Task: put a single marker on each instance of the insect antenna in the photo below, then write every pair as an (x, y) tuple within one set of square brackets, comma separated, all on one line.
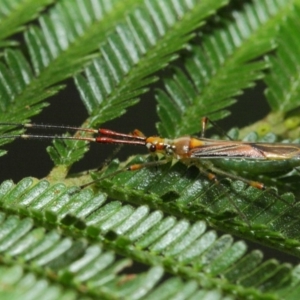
[(105, 136), (47, 126)]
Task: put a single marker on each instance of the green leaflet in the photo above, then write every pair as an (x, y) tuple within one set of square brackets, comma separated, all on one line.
[(88, 223), (58, 47), (14, 14), (217, 70), (282, 81)]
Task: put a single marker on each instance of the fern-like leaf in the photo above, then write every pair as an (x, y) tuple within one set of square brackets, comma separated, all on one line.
[(137, 48), (211, 264), (58, 48), (283, 80), (218, 70), (14, 14), (14, 78)]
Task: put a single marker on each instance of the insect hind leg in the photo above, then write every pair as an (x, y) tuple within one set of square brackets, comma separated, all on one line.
[(212, 177), (256, 184), (205, 121)]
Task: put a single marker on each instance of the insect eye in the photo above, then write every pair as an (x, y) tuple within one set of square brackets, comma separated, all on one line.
[(152, 148)]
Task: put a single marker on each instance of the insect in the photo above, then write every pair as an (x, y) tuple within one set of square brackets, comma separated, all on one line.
[(203, 152)]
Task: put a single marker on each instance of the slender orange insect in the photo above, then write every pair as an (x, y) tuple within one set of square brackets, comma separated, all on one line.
[(278, 156), (239, 155)]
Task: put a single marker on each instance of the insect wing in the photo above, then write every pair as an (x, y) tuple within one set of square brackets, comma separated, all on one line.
[(278, 151), (225, 149), (236, 149)]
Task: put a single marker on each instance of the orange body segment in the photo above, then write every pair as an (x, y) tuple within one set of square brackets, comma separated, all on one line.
[(196, 143)]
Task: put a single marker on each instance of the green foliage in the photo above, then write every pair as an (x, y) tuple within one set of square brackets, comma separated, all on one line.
[(137, 48), (60, 241), (283, 92), (216, 71), (58, 48), (74, 249), (14, 14)]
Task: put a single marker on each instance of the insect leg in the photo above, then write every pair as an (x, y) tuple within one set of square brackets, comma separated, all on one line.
[(204, 122), (213, 177), (133, 167), (255, 184)]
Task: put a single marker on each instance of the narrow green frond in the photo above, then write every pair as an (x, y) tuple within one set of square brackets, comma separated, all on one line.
[(70, 31), (137, 49), (133, 52), (2, 152), (98, 271), (19, 283), (67, 152), (219, 69), (87, 234), (15, 75), (14, 14), (283, 80), (58, 48)]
